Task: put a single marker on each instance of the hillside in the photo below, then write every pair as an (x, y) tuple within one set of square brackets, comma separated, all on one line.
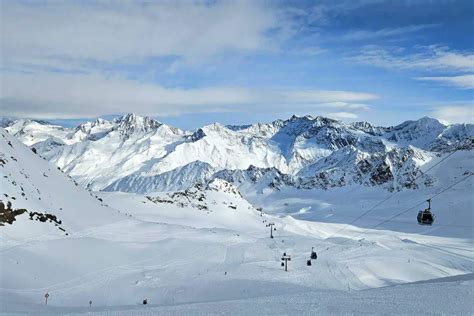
[(38, 199)]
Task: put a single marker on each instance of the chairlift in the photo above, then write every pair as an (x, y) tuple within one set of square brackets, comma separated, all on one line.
[(425, 217), (314, 256)]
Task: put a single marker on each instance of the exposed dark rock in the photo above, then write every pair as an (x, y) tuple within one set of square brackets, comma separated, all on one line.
[(7, 214)]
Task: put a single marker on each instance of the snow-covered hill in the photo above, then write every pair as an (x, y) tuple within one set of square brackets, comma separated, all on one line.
[(180, 178), (138, 154), (38, 199), (215, 204)]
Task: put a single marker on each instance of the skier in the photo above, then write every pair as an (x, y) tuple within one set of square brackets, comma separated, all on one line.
[(145, 301), (90, 303)]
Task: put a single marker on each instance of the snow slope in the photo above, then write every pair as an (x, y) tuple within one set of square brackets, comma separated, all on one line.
[(33, 184), (217, 204), (176, 179), (437, 297)]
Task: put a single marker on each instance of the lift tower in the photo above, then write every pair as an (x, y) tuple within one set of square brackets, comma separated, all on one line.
[(271, 228), (285, 258)]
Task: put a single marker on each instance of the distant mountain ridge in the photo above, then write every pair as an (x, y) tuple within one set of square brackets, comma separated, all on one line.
[(139, 154)]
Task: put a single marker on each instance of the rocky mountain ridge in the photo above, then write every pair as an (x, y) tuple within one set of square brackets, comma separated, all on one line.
[(139, 154)]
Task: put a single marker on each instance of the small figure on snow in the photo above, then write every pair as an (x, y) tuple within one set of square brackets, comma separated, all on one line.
[(145, 301), (90, 303)]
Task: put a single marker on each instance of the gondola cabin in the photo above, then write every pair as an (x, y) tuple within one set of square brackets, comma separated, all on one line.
[(425, 217)]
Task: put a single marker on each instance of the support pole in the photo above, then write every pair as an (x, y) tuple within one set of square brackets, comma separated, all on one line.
[(271, 228), (286, 258)]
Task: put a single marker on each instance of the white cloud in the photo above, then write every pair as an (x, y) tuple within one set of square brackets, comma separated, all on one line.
[(429, 58), (47, 95), (343, 115), (455, 113), (346, 105), (463, 81), (385, 32), (107, 31)]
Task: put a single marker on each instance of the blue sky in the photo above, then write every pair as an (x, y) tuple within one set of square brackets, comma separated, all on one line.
[(192, 63)]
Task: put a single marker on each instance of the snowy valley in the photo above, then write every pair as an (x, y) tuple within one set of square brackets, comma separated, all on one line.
[(116, 211)]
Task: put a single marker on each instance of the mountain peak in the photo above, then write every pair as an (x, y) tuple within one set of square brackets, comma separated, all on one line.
[(6, 122), (215, 128), (425, 123), (99, 121), (368, 128), (134, 118), (131, 123), (295, 117), (429, 120)]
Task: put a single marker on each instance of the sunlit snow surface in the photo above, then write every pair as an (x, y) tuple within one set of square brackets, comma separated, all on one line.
[(447, 296), (191, 260)]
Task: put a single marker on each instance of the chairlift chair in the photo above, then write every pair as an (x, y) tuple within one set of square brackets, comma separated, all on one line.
[(425, 217)]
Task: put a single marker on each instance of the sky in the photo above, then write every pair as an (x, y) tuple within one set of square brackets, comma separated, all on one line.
[(191, 63)]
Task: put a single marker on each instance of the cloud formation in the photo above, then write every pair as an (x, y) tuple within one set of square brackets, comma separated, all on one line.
[(105, 31), (68, 95), (359, 35), (463, 81), (455, 113), (343, 115), (430, 58)]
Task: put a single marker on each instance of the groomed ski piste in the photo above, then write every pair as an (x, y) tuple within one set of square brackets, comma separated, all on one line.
[(207, 250)]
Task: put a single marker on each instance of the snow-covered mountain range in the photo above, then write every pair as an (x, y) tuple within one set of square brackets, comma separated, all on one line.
[(207, 231), (141, 155)]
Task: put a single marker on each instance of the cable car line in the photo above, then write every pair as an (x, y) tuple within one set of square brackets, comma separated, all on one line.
[(406, 222), (389, 197), (402, 212), (439, 193)]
